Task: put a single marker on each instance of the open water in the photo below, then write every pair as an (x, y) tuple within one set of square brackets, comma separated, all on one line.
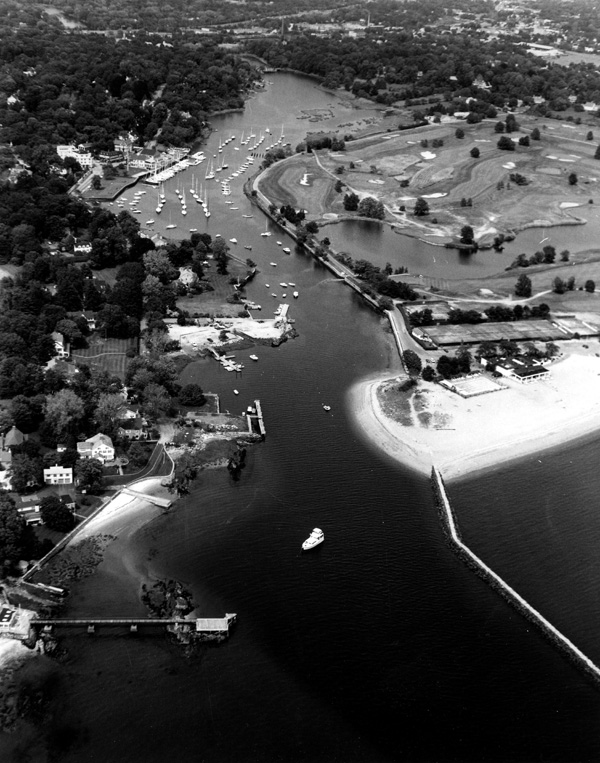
[(380, 645)]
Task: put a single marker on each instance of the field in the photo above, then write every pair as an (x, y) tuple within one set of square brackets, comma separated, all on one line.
[(519, 331), (107, 354), (446, 174)]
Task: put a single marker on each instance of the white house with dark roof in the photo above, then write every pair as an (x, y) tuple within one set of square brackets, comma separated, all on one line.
[(99, 446)]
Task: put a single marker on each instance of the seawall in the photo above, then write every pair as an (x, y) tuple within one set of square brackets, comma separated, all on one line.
[(501, 586)]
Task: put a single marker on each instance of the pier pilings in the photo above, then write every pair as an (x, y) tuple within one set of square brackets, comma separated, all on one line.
[(500, 585)]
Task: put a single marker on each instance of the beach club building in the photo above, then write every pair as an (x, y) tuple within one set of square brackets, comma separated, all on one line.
[(522, 370)]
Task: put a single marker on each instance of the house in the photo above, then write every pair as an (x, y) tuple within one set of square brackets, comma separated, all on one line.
[(29, 504), (61, 345), (58, 475), (99, 446), (12, 438), (68, 502), (134, 429)]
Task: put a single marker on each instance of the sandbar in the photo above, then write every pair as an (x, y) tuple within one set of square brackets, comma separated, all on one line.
[(465, 435)]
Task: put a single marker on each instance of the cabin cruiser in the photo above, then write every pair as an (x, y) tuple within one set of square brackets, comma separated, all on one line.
[(317, 536)]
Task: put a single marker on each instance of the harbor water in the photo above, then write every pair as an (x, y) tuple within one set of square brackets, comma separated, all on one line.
[(378, 645)]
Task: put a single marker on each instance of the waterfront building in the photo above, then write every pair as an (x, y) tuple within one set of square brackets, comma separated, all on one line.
[(99, 446)]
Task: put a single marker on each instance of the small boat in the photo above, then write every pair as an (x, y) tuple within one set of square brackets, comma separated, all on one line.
[(247, 216), (273, 295), (274, 264), (253, 357), (291, 284), (283, 284), (171, 226), (287, 250), (235, 392), (317, 536), (284, 296), (267, 285), (326, 407), (149, 222), (279, 243), (295, 295), (193, 230), (249, 248), (233, 240)]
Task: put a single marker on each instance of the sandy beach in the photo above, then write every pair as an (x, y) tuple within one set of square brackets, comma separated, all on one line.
[(467, 435)]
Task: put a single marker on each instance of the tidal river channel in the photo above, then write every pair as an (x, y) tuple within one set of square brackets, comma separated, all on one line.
[(380, 645)]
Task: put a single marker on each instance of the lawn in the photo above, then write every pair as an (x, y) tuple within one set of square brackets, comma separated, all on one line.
[(108, 354)]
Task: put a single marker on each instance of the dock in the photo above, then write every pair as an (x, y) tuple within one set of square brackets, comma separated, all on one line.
[(255, 419), (209, 626)]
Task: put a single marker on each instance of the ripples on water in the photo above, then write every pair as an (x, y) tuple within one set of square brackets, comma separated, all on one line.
[(380, 644)]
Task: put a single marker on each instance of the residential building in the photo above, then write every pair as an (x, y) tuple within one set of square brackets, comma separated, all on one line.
[(58, 475), (61, 345), (13, 437), (99, 446), (68, 502)]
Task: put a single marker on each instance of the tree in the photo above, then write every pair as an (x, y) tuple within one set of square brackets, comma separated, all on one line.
[(64, 413), (590, 135), (192, 394), (459, 133), (96, 182), (89, 473), (590, 286), (13, 535), (428, 374), (106, 412), (412, 362), (220, 252), (370, 207), (26, 472), (572, 178), (466, 235), (564, 255), (137, 454), (523, 286), (558, 285), (351, 202), (156, 400), (505, 144), (421, 208), (597, 154), (55, 515), (475, 152), (524, 140), (535, 134)]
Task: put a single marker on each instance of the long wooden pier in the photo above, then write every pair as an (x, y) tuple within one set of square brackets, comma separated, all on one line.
[(201, 625)]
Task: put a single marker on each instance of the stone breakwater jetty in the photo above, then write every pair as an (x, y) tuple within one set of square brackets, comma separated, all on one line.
[(501, 586)]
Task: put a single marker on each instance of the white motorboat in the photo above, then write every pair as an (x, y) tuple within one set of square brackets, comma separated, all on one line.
[(233, 240), (317, 536), (253, 357), (287, 250), (274, 264), (295, 295), (326, 407)]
